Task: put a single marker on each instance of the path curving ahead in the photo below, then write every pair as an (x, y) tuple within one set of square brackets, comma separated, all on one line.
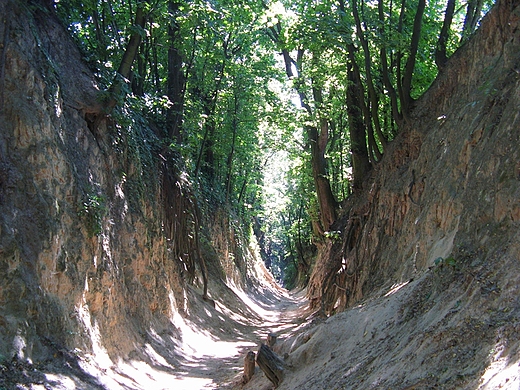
[(217, 340), (207, 347)]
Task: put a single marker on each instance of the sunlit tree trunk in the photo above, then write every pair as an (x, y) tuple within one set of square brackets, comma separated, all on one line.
[(176, 79), (125, 68)]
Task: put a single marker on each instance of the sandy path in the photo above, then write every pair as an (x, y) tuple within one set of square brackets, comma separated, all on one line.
[(204, 349), (210, 343), (277, 312)]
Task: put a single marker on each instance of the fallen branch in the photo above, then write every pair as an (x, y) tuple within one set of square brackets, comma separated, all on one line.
[(271, 364)]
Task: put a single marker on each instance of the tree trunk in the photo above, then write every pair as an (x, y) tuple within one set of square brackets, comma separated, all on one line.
[(358, 143), (229, 162), (206, 158), (372, 94), (326, 201), (319, 141), (471, 19), (399, 58), (176, 79), (385, 72), (123, 73), (410, 63), (440, 51)]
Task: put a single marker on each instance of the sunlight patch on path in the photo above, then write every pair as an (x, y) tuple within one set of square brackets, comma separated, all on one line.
[(197, 343), (193, 356), (502, 373), (270, 315)]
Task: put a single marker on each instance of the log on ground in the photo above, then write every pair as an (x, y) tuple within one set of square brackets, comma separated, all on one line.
[(271, 364)]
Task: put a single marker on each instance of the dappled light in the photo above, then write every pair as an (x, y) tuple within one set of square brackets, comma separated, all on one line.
[(502, 371), (395, 288), (197, 352), (245, 195)]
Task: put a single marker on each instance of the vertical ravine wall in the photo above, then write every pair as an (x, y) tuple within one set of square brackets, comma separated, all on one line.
[(84, 262), (448, 185)]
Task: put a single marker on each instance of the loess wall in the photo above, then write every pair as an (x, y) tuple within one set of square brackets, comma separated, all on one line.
[(84, 262), (448, 186)]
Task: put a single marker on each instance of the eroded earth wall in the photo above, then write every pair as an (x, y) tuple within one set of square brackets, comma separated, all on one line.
[(448, 188), (84, 263)]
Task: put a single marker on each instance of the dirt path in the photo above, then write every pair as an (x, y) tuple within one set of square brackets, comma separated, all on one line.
[(203, 349), (212, 341), (276, 311)]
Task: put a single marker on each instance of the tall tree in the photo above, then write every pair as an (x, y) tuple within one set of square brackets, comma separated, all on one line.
[(441, 55), (317, 134), (125, 68), (176, 76)]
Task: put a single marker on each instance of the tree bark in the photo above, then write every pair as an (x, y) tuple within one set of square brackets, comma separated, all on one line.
[(471, 19), (206, 158), (372, 94), (385, 70), (399, 58), (234, 126), (318, 142), (440, 51), (326, 201), (272, 366), (410, 63), (358, 143), (176, 79), (123, 72)]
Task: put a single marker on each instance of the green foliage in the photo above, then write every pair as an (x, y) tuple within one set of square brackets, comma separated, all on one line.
[(241, 122), (93, 209), (290, 277), (449, 261)]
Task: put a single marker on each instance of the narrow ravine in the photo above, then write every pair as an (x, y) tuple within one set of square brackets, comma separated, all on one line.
[(210, 342)]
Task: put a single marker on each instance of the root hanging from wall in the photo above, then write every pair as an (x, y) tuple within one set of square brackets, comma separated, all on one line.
[(182, 221)]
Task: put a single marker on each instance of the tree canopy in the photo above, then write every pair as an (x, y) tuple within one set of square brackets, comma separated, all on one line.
[(277, 109)]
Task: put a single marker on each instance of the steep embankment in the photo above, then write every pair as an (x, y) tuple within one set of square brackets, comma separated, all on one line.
[(81, 262), (430, 252), (448, 182), (91, 292)]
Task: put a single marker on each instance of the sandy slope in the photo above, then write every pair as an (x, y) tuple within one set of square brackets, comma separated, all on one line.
[(203, 350), (453, 327)]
